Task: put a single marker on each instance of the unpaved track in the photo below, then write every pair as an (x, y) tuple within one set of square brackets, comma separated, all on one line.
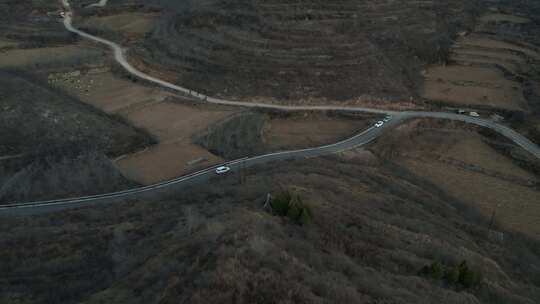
[(203, 176)]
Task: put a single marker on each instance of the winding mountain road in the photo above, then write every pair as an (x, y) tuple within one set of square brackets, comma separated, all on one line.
[(120, 57), (205, 175), (363, 138)]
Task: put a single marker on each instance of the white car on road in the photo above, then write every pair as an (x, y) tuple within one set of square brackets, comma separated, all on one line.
[(222, 170), (379, 124)]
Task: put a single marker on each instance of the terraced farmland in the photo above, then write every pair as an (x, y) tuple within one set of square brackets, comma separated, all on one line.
[(492, 66), (31, 23), (303, 50)]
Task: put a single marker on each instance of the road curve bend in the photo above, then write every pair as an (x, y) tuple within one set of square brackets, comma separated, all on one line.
[(120, 57), (363, 138)]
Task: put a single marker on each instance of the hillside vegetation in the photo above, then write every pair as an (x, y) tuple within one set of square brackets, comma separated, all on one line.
[(377, 234), (53, 145), (32, 23), (305, 49), (54, 120)]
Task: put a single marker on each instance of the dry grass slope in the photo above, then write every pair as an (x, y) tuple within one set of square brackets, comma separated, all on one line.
[(375, 226)]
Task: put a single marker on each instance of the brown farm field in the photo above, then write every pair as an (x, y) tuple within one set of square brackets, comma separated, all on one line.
[(173, 122), (463, 86), (165, 161), (49, 57), (127, 24), (467, 166), (513, 205), (310, 130), (170, 120), (486, 66)]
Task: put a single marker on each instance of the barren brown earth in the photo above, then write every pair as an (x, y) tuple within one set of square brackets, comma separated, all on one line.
[(172, 121), (494, 65), (304, 130), (471, 168)]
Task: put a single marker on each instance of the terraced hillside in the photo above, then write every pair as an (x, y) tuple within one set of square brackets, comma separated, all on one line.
[(31, 23), (336, 50), (495, 65)]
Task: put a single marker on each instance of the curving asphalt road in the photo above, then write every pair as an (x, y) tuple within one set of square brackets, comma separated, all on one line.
[(205, 175), (185, 181)]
